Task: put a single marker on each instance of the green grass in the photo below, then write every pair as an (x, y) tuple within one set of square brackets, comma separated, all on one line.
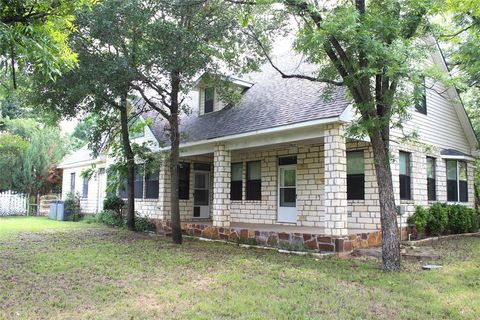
[(85, 271), (14, 225)]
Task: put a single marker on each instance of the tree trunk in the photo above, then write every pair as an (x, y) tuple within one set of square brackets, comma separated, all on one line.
[(130, 159), (174, 155), (388, 216)]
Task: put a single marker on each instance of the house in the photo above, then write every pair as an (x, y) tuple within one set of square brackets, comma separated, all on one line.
[(278, 168)]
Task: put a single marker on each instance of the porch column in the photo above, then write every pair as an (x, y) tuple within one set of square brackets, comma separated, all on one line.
[(336, 221), (221, 186)]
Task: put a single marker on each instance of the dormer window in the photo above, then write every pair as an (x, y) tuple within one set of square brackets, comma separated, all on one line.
[(209, 97)]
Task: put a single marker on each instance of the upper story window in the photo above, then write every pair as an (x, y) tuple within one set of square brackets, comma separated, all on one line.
[(405, 172), (421, 97), (457, 185), (355, 175), (209, 98)]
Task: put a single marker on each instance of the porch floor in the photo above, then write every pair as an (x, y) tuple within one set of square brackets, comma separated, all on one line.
[(276, 227)]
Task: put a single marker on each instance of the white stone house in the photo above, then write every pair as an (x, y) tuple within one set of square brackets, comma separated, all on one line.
[(280, 160)]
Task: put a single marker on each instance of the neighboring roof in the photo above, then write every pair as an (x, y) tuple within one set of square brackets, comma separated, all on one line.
[(271, 102), (81, 155)]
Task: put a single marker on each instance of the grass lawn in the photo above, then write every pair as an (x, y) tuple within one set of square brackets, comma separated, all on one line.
[(51, 270)]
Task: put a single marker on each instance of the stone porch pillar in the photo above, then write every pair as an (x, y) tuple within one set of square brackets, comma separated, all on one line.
[(221, 186), (336, 218)]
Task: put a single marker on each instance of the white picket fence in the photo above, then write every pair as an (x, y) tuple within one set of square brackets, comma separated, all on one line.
[(12, 204)]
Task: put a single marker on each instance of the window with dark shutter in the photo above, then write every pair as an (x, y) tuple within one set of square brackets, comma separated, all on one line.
[(355, 175), (405, 184), (431, 176), (184, 181), (209, 98), (151, 185), (139, 173), (236, 181), (85, 188), (254, 180), (421, 97)]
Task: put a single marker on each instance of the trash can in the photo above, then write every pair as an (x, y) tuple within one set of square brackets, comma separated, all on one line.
[(52, 214), (61, 211)]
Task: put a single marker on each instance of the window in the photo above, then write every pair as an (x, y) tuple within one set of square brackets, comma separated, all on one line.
[(431, 174), (209, 98), (72, 182), (136, 128), (254, 180), (457, 186), (236, 181), (122, 189), (138, 182), (152, 184), (85, 188), (405, 188), (184, 181), (421, 97), (355, 175)]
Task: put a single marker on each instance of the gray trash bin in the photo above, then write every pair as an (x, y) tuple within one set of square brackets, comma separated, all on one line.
[(61, 211), (52, 214)]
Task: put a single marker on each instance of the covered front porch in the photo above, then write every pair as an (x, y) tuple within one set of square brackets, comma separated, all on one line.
[(293, 183)]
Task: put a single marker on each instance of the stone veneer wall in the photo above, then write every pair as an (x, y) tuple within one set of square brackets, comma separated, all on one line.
[(365, 214), (310, 186), (282, 240)]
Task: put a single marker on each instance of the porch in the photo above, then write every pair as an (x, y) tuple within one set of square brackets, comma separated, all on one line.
[(297, 186)]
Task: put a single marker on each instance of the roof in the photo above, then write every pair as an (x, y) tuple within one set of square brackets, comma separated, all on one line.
[(271, 102), (81, 155), (453, 152)]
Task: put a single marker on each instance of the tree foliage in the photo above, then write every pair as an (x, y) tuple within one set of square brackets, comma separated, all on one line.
[(29, 154)]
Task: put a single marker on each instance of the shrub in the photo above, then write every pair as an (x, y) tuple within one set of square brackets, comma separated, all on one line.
[(420, 218), (72, 206), (475, 221), (143, 224), (113, 203), (437, 222), (110, 218), (460, 218)]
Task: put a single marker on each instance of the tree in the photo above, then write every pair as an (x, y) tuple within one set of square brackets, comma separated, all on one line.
[(101, 83), (33, 36), (29, 155), (372, 49), (183, 40)]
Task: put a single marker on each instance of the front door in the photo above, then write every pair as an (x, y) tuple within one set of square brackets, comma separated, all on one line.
[(287, 193), (201, 195)]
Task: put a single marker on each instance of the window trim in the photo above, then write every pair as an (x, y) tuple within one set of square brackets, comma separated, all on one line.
[(458, 194), (248, 195), (434, 179), (408, 167)]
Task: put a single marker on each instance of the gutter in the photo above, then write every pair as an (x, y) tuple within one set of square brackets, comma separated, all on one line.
[(279, 129)]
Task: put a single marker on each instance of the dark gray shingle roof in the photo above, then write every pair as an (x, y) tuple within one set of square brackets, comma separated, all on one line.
[(271, 102)]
